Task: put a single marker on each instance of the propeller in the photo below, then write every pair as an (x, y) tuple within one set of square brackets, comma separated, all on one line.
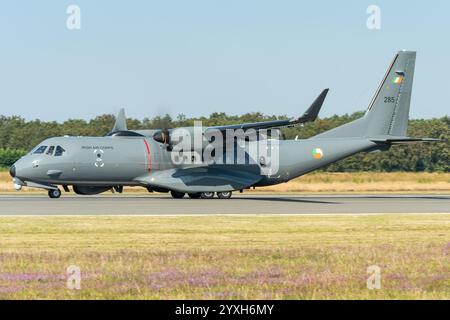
[(162, 136), (163, 121)]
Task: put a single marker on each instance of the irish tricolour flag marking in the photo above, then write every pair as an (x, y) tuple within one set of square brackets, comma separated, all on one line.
[(397, 80), (317, 153)]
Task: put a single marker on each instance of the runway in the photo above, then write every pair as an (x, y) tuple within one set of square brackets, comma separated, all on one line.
[(239, 204)]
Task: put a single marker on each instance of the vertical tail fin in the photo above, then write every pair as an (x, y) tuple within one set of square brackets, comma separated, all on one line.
[(121, 121), (388, 112)]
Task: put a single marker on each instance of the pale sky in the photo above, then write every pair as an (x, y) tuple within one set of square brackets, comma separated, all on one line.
[(196, 57)]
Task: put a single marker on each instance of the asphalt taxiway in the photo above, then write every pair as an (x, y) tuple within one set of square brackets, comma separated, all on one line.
[(239, 204)]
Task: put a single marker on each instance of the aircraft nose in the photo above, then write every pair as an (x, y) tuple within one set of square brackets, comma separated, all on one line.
[(12, 171)]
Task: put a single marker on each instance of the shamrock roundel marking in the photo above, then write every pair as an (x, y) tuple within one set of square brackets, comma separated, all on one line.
[(317, 153)]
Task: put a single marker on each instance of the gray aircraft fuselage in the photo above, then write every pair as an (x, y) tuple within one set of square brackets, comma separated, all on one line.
[(110, 161)]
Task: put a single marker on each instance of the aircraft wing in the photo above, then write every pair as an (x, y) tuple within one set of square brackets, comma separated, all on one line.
[(309, 116), (213, 178)]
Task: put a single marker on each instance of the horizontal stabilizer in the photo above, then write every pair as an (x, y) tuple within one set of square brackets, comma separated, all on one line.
[(403, 140)]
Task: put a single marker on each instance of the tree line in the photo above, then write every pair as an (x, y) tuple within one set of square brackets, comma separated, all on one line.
[(18, 136)]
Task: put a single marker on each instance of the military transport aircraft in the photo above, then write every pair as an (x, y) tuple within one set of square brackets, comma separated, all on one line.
[(92, 165)]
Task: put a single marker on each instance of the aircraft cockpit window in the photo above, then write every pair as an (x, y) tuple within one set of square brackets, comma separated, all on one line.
[(50, 150), (59, 151), (40, 150)]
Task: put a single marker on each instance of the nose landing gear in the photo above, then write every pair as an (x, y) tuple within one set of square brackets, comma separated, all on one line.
[(54, 193)]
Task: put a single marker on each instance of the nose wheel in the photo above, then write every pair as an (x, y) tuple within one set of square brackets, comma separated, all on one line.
[(54, 193)]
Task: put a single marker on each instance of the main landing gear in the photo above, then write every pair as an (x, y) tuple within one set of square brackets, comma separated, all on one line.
[(202, 195), (224, 195), (54, 193), (196, 195), (207, 195), (177, 195)]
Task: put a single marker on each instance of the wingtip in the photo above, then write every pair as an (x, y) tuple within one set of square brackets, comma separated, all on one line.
[(325, 92), (311, 114)]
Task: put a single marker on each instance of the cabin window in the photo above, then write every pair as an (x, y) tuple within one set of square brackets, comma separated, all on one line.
[(59, 151), (50, 150), (40, 150)]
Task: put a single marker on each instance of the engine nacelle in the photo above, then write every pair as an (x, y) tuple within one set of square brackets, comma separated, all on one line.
[(183, 138), (162, 136)]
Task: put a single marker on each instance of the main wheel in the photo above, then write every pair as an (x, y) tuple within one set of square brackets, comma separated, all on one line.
[(177, 195), (194, 195), (224, 195), (207, 195), (54, 193)]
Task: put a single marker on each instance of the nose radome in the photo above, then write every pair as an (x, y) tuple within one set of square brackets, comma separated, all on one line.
[(12, 171)]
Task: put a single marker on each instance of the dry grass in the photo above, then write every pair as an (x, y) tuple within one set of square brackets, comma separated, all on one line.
[(329, 182), (366, 182), (226, 257)]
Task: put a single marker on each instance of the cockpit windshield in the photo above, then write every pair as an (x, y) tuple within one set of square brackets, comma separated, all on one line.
[(59, 151), (50, 150), (40, 150), (55, 151)]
